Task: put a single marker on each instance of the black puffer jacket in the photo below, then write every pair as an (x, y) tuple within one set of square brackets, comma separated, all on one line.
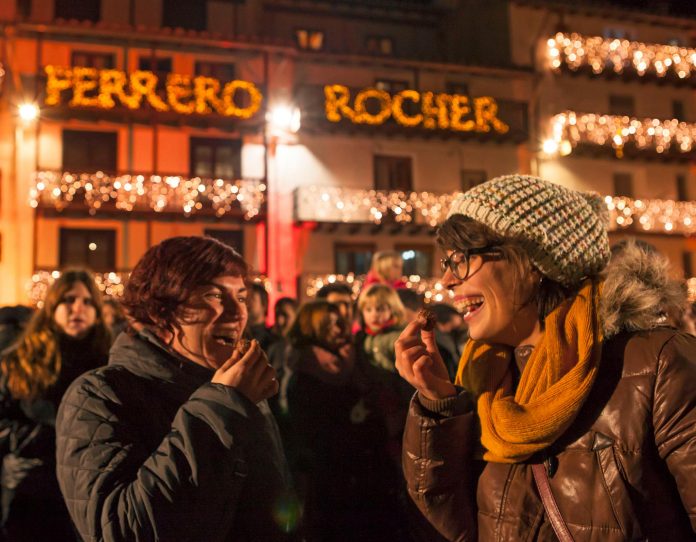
[(149, 449)]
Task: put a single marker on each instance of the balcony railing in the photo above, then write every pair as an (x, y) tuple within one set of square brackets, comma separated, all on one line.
[(135, 192)]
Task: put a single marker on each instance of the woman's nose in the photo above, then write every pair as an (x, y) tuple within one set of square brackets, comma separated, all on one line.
[(449, 281)]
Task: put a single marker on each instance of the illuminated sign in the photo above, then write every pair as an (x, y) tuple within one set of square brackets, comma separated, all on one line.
[(429, 110), (104, 89)]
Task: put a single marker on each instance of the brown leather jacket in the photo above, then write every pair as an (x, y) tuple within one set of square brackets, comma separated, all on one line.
[(625, 470)]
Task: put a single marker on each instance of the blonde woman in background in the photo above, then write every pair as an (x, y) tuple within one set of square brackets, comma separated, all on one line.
[(387, 267)]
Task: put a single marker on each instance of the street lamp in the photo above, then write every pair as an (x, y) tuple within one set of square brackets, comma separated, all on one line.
[(284, 118), (28, 112)]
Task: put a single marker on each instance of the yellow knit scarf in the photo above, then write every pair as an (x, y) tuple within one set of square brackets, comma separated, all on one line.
[(553, 386)]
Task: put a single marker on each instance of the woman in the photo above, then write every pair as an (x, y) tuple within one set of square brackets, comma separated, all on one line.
[(337, 437), (65, 338), (173, 440), (387, 267), (570, 387)]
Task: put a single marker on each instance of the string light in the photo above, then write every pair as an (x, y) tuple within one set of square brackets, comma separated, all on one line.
[(431, 288), (143, 192), (110, 284), (616, 131), (655, 215), (600, 54), (353, 205)]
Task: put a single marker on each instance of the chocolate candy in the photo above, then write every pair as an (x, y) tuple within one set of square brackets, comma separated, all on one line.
[(428, 317)]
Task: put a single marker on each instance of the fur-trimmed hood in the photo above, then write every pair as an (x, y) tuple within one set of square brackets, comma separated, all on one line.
[(639, 293)]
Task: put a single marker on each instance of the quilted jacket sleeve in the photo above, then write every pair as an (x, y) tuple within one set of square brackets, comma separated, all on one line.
[(674, 416), (186, 489), (438, 466)]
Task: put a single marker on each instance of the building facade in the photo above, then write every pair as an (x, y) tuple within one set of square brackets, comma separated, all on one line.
[(308, 134)]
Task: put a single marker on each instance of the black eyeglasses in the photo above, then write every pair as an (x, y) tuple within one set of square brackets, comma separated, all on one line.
[(459, 262)]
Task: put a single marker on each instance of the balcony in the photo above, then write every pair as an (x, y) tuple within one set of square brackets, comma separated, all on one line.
[(137, 193)]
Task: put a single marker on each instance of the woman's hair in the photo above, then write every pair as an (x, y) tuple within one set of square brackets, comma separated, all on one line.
[(169, 272), (460, 232), (382, 262), (383, 294), (35, 364), (312, 322)]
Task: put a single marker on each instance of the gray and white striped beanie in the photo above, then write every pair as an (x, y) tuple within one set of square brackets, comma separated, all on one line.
[(563, 231)]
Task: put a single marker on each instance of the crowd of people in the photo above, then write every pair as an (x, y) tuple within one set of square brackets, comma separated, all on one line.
[(551, 400)]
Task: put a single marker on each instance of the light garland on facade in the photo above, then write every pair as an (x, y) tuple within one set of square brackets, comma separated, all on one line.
[(144, 192), (329, 204), (111, 284), (432, 289), (617, 55), (616, 131), (186, 95), (354, 205)]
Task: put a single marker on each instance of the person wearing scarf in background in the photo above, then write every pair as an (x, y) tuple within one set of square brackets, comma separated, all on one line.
[(573, 412)]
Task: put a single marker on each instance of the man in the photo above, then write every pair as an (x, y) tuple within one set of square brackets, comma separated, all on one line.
[(340, 294)]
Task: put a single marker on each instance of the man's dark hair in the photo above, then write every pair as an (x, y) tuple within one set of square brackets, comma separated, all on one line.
[(258, 288), (282, 302), (334, 288), (411, 299)]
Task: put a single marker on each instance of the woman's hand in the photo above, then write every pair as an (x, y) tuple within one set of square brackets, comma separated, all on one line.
[(249, 373), (419, 362)]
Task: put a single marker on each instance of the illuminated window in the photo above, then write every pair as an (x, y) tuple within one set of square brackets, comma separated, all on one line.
[(418, 259), (89, 151), (393, 173), (353, 257), (379, 45), (309, 40), (94, 249), (89, 59), (216, 158)]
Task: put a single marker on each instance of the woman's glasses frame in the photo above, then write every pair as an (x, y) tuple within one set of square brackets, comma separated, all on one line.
[(459, 258)]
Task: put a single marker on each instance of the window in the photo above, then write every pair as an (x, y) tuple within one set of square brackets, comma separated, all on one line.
[(353, 257), (682, 188), (87, 151), (82, 10), (232, 238), (391, 86), (393, 173), (623, 105), (216, 158), (158, 65), (418, 259), (623, 184), (94, 249), (379, 45), (457, 88), (188, 14), (678, 110), (309, 40), (89, 59), (687, 264), (472, 177), (221, 71)]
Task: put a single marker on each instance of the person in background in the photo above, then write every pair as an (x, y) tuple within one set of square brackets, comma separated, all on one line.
[(341, 295), (387, 267), (13, 320), (285, 309), (114, 317), (412, 302), (383, 318), (66, 337), (450, 334), (573, 416), (689, 319), (336, 440), (258, 309), (173, 439)]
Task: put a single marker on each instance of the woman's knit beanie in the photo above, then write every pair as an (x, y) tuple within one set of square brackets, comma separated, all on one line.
[(563, 231)]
